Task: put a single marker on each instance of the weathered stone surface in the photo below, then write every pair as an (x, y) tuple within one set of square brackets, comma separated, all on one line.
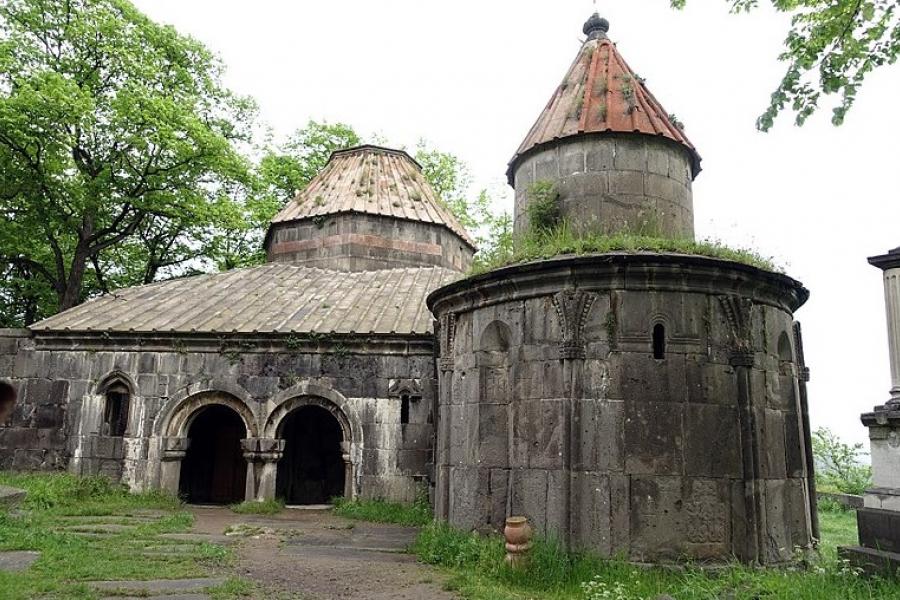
[(10, 496), (615, 449), (12, 561)]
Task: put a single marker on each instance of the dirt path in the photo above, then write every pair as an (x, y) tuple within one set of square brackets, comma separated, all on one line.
[(313, 555)]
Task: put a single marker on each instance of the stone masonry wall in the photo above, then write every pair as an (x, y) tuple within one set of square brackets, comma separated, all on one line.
[(553, 406), (61, 381), (613, 183), (358, 242)]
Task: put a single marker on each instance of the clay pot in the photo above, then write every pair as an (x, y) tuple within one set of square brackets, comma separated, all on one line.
[(518, 541)]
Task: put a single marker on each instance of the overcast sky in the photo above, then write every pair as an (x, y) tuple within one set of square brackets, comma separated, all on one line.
[(472, 76)]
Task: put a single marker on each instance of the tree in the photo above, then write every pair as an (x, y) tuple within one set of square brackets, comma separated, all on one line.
[(838, 465), (830, 49), (289, 167), (450, 178), (117, 138)]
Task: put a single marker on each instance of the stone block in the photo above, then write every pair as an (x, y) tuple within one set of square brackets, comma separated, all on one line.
[(772, 443), (571, 159), (628, 183), (631, 154), (653, 438), (711, 441), (591, 519), (879, 529), (493, 436), (529, 497), (538, 427), (599, 432)]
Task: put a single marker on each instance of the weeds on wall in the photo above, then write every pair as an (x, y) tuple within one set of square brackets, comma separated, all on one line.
[(563, 240), (543, 206)]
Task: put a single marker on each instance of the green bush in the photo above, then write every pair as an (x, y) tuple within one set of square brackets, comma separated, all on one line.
[(838, 465), (543, 206)]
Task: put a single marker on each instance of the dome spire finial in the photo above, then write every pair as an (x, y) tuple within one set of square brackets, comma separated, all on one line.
[(596, 27)]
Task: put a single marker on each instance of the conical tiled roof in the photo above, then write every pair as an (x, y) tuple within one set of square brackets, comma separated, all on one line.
[(600, 93), (372, 180)]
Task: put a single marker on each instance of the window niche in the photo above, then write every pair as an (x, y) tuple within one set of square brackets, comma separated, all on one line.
[(659, 341), (115, 409)]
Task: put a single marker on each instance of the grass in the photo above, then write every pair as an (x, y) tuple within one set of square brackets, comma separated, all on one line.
[(68, 560), (266, 507), (563, 240), (477, 571), (416, 514)]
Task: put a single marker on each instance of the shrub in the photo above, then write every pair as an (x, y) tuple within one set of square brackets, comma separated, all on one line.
[(838, 466), (543, 206), (252, 507)]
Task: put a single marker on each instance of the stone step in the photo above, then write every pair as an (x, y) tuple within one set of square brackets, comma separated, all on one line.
[(163, 597), (157, 587), (17, 560), (98, 528), (209, 538)]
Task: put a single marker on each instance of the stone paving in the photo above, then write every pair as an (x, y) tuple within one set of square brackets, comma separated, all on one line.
[(311, 555)]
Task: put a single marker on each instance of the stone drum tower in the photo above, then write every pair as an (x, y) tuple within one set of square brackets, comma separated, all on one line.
[(645, 404)]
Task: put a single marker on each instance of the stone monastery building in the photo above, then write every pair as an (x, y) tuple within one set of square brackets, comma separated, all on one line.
[(646, 404)]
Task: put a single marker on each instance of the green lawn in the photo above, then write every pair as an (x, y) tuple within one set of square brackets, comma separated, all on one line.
[(69, 559)]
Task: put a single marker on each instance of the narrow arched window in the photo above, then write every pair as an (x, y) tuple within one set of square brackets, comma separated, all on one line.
[(115, 413), (659, 341), (404, 409)]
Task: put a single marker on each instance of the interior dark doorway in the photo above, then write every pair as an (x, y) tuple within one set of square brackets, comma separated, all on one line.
[(214, 470), (311, 471)]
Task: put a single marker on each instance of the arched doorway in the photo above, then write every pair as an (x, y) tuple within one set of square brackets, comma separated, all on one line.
[(214, 470), (312, 469)]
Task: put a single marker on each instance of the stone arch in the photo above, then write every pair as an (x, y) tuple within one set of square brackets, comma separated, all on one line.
[(306, 395), (496, 337), (311, 394), (785, 350), (175, 420), (112, 378)]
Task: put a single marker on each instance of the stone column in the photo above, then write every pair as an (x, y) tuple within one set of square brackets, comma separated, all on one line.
[(348, 470), (173, 452), (879, 520), (890, 264), (262, 456)]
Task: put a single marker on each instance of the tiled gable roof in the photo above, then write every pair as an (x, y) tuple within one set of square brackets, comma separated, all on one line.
[(276, 297)]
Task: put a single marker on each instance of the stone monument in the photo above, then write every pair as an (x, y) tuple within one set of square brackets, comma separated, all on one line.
[(879, 519)]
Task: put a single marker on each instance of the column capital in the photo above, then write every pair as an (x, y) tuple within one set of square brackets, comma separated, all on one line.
[(888, 261)]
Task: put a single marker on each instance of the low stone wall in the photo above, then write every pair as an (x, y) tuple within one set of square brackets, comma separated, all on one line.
[(847, 500)]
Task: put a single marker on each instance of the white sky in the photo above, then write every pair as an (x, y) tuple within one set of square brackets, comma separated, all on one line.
[(472, 76)]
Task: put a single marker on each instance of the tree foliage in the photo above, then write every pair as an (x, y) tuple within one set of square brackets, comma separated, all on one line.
[(830, 49), (838, 466), (117, 139)]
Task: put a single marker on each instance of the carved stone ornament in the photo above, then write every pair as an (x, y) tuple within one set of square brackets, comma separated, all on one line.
[(738, 312), (572, 308), (404, 387), (448, 339)]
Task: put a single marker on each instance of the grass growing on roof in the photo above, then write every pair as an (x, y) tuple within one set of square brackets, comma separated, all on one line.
[(562, 240)]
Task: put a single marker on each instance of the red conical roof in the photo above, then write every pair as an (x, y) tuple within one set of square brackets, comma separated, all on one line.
[(600, 94)]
